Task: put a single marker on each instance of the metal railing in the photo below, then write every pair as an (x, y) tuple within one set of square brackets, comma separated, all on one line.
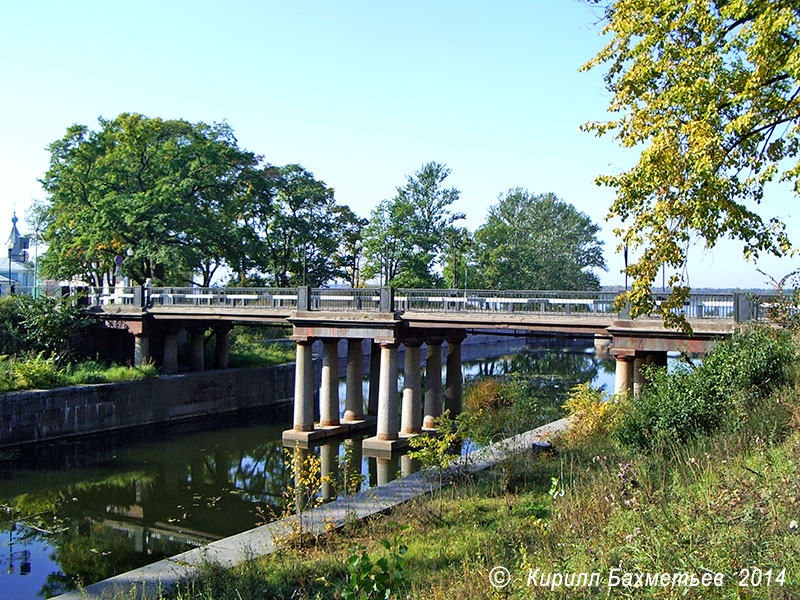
[(507, 301), (224, 297), (363, 299), (736, 306)]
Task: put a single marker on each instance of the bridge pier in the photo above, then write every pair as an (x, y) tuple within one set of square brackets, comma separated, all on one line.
[(197, 343), (141, 349), (623, 380), (354, 399), (374, 378), (412, 390), (221, 352), (303, 387), (454, 383), (433, 383), (329, 387), (170, 364)]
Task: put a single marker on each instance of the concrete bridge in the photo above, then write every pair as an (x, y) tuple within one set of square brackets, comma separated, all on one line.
[(389, 318)]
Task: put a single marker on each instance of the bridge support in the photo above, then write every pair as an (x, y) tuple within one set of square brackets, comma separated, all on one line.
[(433, 383), (412, 391), (329, 387), (221, 353), (638, 377), (303, 388), (354, 400), (387, 394), (141, 349), (623, 380), (170, 364), (374, 378), (197, 342), (454, 383)]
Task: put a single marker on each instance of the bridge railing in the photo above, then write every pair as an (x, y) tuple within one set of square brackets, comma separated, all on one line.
[(513, 301), (224, 297), (333, 299), (738, 306)]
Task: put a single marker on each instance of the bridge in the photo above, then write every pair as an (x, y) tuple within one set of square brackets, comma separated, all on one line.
[(390, 318)]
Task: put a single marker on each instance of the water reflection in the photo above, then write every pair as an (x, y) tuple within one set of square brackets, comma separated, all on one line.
[(87, 509)]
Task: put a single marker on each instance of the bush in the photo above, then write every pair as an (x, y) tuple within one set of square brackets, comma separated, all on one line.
[(35, 371), (735, 378), (592, 415)]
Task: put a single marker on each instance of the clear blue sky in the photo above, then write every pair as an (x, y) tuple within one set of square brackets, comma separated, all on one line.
[(360, 93)]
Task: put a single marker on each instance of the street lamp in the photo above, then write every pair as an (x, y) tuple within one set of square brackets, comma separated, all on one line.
[(10, 250)]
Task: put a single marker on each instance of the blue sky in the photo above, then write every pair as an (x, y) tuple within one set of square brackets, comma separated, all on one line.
[(360, 93)]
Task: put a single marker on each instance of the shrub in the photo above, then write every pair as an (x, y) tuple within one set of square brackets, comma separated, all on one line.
[(592, 415), (35, 371), (735, 378)]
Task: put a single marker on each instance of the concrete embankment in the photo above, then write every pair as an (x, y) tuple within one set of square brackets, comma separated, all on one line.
[(148, 582), (41, 415)]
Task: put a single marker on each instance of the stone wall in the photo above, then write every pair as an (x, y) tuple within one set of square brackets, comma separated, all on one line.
[(34, 416)]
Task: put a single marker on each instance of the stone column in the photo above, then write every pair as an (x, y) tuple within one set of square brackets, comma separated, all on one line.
[(387, 394), (374, 378), (638, 379), (623, 374), (197, 337), (433, 384), (454, 384), (329, 464), (354, 400), (141, 350), (221, 353), (171, 352), (329, 386), (303, 387), (412, 391)]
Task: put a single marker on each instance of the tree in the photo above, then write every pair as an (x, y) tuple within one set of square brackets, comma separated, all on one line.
[(537, 242), (161, 189), (300, 231), (710, 91), (404, 241)]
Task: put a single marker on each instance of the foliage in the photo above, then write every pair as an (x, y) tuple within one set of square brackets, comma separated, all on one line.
[(248, 347), (591, 415), (39, 371), (734, 379), (159, 188), (370, 579), (39, 325), (709, 91), (405, 238), (185, 200), (537, 242), (35, 371)]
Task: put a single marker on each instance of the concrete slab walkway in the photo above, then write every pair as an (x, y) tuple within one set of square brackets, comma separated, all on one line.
[(147, 582)]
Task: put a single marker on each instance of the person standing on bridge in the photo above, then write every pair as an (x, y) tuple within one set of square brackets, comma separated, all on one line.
[(148, 292)]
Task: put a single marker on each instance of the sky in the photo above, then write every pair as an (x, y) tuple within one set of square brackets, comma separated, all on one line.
[(361, 93)]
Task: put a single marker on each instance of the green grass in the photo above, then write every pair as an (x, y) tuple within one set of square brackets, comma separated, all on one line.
[(35, 371), (247, 348)]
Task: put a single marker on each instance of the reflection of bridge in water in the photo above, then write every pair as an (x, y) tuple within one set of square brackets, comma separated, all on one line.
[(390, 318)]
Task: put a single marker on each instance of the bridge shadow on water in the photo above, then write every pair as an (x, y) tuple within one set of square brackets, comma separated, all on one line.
[(89, 508)]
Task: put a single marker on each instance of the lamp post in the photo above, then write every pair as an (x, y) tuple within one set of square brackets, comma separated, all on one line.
[(10, 250)]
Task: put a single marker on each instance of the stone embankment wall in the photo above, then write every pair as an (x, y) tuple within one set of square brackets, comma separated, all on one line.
[(39, 415)]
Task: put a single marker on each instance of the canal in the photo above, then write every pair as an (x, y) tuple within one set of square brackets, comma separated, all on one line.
[(82, 510)]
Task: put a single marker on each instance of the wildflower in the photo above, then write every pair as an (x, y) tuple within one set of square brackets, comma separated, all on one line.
[(793, 524)]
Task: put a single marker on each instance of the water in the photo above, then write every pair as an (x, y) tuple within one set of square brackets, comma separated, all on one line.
[(87, 509)]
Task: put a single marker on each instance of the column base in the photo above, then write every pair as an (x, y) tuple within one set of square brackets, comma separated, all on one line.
[(291, 437), (378, 448)]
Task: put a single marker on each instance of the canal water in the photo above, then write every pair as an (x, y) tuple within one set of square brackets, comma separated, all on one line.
[(82, 510)]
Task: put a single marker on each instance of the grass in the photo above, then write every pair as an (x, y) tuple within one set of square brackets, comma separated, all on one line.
[(247, 348), (35, 371)]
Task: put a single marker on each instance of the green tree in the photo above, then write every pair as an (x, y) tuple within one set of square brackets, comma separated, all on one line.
[(538, 242), (710, 92), (404, 241), (161, 189)]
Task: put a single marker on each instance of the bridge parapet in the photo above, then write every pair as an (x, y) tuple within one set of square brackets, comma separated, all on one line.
[(735, 306)]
